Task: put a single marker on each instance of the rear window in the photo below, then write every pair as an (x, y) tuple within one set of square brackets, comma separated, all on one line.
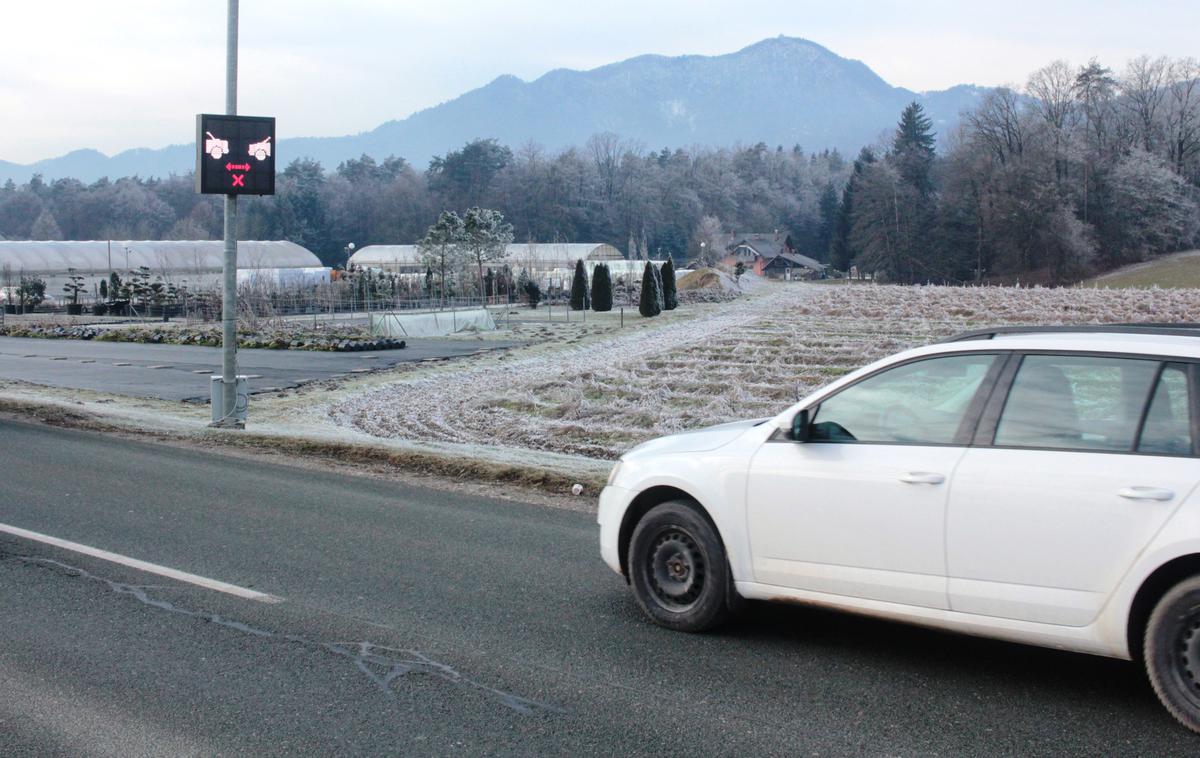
[(1076, 402)]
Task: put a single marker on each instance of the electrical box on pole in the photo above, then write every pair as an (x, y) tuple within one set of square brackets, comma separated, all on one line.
[(235, 155)]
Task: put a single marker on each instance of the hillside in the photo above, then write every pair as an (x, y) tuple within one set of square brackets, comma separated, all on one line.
[(781, 91), (1181, 270)]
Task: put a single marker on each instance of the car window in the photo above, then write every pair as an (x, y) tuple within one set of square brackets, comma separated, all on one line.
[(1168, 427), (923, 402), (1076, 402)]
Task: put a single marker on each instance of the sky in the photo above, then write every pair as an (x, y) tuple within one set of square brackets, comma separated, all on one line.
[(120, 74)]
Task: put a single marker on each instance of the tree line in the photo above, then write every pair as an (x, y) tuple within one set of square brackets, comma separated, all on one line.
[(1080, 169)]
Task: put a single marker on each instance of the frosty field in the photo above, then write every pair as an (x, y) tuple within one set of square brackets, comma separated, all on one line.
[(597, 395)]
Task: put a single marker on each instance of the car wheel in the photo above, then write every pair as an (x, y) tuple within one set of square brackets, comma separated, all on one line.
[(1172, 652), (678, 569)]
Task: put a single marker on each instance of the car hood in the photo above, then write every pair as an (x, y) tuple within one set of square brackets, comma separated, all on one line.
[(695, 440)]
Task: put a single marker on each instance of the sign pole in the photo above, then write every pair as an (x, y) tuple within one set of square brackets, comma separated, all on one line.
[(229, 278)]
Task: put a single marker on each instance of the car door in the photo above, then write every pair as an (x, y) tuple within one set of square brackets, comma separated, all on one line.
[(1082, 461), (858, 508)]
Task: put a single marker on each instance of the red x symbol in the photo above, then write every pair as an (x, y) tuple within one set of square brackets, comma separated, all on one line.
[(238, 180)]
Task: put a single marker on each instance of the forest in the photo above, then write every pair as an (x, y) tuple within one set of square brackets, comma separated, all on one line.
[(1081, 169)]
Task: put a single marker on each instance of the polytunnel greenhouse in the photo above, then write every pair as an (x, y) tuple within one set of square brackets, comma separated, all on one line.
[(198, 263)]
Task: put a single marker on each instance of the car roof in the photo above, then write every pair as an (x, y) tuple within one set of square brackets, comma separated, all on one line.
[(1177, 342)]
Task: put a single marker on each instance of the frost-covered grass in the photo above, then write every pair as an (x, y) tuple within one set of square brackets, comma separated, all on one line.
[(750, 358)]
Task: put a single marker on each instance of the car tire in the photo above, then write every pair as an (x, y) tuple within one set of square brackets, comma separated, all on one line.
[(678, 569), (1172, 652)]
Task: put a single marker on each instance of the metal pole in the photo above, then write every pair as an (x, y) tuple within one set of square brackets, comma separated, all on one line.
[(229, 280)]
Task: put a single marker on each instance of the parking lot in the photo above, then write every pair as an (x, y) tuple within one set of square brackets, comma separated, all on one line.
[(182, 372)]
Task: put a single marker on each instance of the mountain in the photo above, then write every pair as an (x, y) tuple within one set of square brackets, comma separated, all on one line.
[(781, 91)]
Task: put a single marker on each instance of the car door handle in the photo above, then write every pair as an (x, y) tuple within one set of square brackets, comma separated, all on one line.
[(1146, 493), (923, 477)]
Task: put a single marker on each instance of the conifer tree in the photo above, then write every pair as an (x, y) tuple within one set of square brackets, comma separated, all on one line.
[(602, 288), (670, 293), (842, 251), (650, 300), (912, 148), (580, 301)]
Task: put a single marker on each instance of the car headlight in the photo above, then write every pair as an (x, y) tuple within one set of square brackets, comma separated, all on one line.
[(616, 471)]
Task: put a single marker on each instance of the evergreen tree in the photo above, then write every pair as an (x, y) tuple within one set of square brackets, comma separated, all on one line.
[(602, 289), (45, 227), (650, 300), (533, 293), (580, 301), (658, 286), (670, 293), (915, 221), (842, 250), (827, 206), (912, 148)]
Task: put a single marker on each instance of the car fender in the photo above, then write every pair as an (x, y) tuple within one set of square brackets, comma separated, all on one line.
[(1179, 537), (716, 480)]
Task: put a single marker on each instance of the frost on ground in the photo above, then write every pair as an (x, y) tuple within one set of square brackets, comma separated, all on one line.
[(745, 359)]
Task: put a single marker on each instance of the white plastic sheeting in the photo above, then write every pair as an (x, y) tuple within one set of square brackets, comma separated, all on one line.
[(282, 277), (430, 323), (533, 256), (174, 257)]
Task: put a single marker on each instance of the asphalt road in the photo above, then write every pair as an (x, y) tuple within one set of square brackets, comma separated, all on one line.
[(417, 621), (182, 372)]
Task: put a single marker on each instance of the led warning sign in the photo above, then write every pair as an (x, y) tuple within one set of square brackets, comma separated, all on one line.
[(235, 155)]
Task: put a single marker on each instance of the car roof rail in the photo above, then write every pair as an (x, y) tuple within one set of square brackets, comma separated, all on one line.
[(1173, 330)]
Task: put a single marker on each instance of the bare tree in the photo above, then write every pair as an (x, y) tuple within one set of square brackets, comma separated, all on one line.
[(1145, 85), (999, 124), (708, 238), (605, 149), (1183, 114), (1052, 88)]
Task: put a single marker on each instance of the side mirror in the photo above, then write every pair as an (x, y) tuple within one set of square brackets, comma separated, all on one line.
[(801, 423)]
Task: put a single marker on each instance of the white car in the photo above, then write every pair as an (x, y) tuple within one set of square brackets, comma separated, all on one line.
[(1029, 484)]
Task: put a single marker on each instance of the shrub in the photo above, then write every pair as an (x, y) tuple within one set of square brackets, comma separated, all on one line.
[(650, 301), (533, 293), (602, 288), (670, 293), (580, 300), (31, 291)]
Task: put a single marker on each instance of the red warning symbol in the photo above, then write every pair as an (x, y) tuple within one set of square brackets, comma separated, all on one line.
[(239, 180)]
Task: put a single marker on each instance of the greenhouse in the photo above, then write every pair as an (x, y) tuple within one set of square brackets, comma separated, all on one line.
[(544, 259), (198, 263)]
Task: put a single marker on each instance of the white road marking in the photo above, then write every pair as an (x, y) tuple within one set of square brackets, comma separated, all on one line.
[(151, 568)]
